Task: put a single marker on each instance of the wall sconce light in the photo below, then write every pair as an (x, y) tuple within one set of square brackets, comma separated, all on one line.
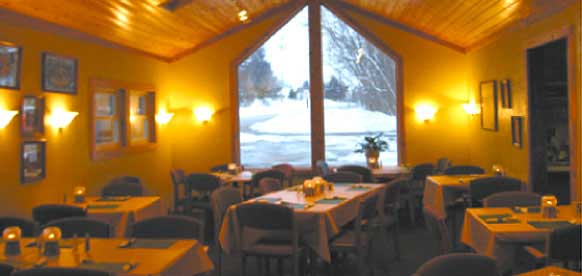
[(60, 118), (471, 108), (203, 114), (6, 116), (163, 117), (425, 112)]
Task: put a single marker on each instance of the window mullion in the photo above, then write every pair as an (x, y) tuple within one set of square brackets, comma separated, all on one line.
[(316, 83)]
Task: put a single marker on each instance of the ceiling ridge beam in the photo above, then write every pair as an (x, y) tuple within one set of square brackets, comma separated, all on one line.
[(400, 26)]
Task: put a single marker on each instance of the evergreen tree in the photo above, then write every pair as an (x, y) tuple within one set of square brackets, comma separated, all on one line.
[(256, 79)]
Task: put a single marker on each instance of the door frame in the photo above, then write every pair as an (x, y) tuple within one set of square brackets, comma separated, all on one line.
[(568, 33)]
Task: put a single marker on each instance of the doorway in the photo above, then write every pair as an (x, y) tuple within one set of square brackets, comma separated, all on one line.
[(551, 147)]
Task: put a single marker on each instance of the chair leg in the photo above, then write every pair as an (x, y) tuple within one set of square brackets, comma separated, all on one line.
[(244, 265), (219, 261), (412, 210), (395, 238)]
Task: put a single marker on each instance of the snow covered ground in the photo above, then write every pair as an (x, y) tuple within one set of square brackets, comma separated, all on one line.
[(276, 131)]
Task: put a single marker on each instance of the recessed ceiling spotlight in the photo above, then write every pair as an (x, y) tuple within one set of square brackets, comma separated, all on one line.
[(243, 15)]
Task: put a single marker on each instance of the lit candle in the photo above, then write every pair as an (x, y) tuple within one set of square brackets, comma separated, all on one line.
[(51, 237), (79, 194), (232, 168), (11, 237), (549, 203)]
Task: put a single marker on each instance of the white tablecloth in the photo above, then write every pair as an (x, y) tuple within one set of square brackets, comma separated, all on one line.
[(441, 190)]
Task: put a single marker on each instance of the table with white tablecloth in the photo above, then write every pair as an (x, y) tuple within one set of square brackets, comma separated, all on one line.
[(441, 190), (317, 224)]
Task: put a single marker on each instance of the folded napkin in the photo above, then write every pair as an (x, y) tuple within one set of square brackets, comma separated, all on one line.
[(268, 199), (148, 244), (331, 200), (549, 224), (359, 187), (299, 206), (526, 210), (497, 216), (113, 198), (108, 266), (102, 206), (504, 220)]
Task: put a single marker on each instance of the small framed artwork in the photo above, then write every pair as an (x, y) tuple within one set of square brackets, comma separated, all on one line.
[(32, 116), (516, 131), (59, 73), (505, 88), (32, 161), (10, 57), (488, 98)]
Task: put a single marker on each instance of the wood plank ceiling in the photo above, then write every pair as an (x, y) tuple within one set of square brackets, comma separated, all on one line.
[(145, 26)]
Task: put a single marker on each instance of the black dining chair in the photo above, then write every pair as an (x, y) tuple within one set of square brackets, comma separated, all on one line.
[(254, 190), (464, 169), (270, 217), (344, 177), (322, 168), (45, 213), (219, 168), (512, 199), (221, 199), (178, 186), (563, 245), (459, 264), (442, 164), (199, 186), (81, 226), (412, 192), (440, 232), (269, 185), (29, 228), (59, 271), (6, 269), (391, 208), (363, 171), (288, 170), (481, 188), (123, 186), (169, 227)]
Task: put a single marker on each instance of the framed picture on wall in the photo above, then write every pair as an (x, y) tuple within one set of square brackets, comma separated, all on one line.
[(32, 161), (488, 99), (505, 88), (32, 116), (59, 73), (516, 131), (10, 57)]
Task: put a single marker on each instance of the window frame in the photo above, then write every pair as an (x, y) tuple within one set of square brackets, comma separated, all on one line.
[(316, 89)]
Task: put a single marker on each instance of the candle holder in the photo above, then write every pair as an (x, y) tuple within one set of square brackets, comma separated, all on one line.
[(498, 170), (11, 237), (372, 162), (549, 204), (79, 193), (51, 237), (232, 168)]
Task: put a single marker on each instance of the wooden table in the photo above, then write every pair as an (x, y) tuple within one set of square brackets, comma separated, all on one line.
[(551, 271), (317, 224), (122, 213), (441, 190), (500, 240), (182, 257)]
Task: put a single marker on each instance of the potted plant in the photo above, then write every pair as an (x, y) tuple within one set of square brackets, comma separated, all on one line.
[(372, 147)]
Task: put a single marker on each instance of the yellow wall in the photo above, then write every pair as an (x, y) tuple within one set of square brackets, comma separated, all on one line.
[(504, 58), (68, 161)]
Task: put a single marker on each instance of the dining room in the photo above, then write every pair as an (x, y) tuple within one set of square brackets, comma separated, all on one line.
[(290, 137)]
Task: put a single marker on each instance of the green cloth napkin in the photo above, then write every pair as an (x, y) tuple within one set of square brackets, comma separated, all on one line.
[(529, 210), (102, 206), (268, 199), (359, 188), (497, 216), (294, 205), (106, 266), (506, 220), (550, 224), (334, 200), (151, 244), (113, 198)]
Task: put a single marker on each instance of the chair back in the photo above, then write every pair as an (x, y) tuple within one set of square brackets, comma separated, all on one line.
[(287, 170), (220, 200), (265, 216), (392, 193), (442, 164), (565, 244), (6, 270), (81, 226), (169, 227), (363, 171), (219, 168), (53, 271), (512, 199), (464, 169), (344, 177), (123, 186), (29, 228), (45, 213), (269, 185), (439, 230), (421, 171), (202, 182), (322, 168), (481, 188), (459, 264), (177, 176), (256, 179)]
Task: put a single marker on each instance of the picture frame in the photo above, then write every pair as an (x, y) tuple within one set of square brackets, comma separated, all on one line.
[(516, 131), (32, 116), (32, 161), (488, 99), (505, 91), (59, 73), (10, 60)]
